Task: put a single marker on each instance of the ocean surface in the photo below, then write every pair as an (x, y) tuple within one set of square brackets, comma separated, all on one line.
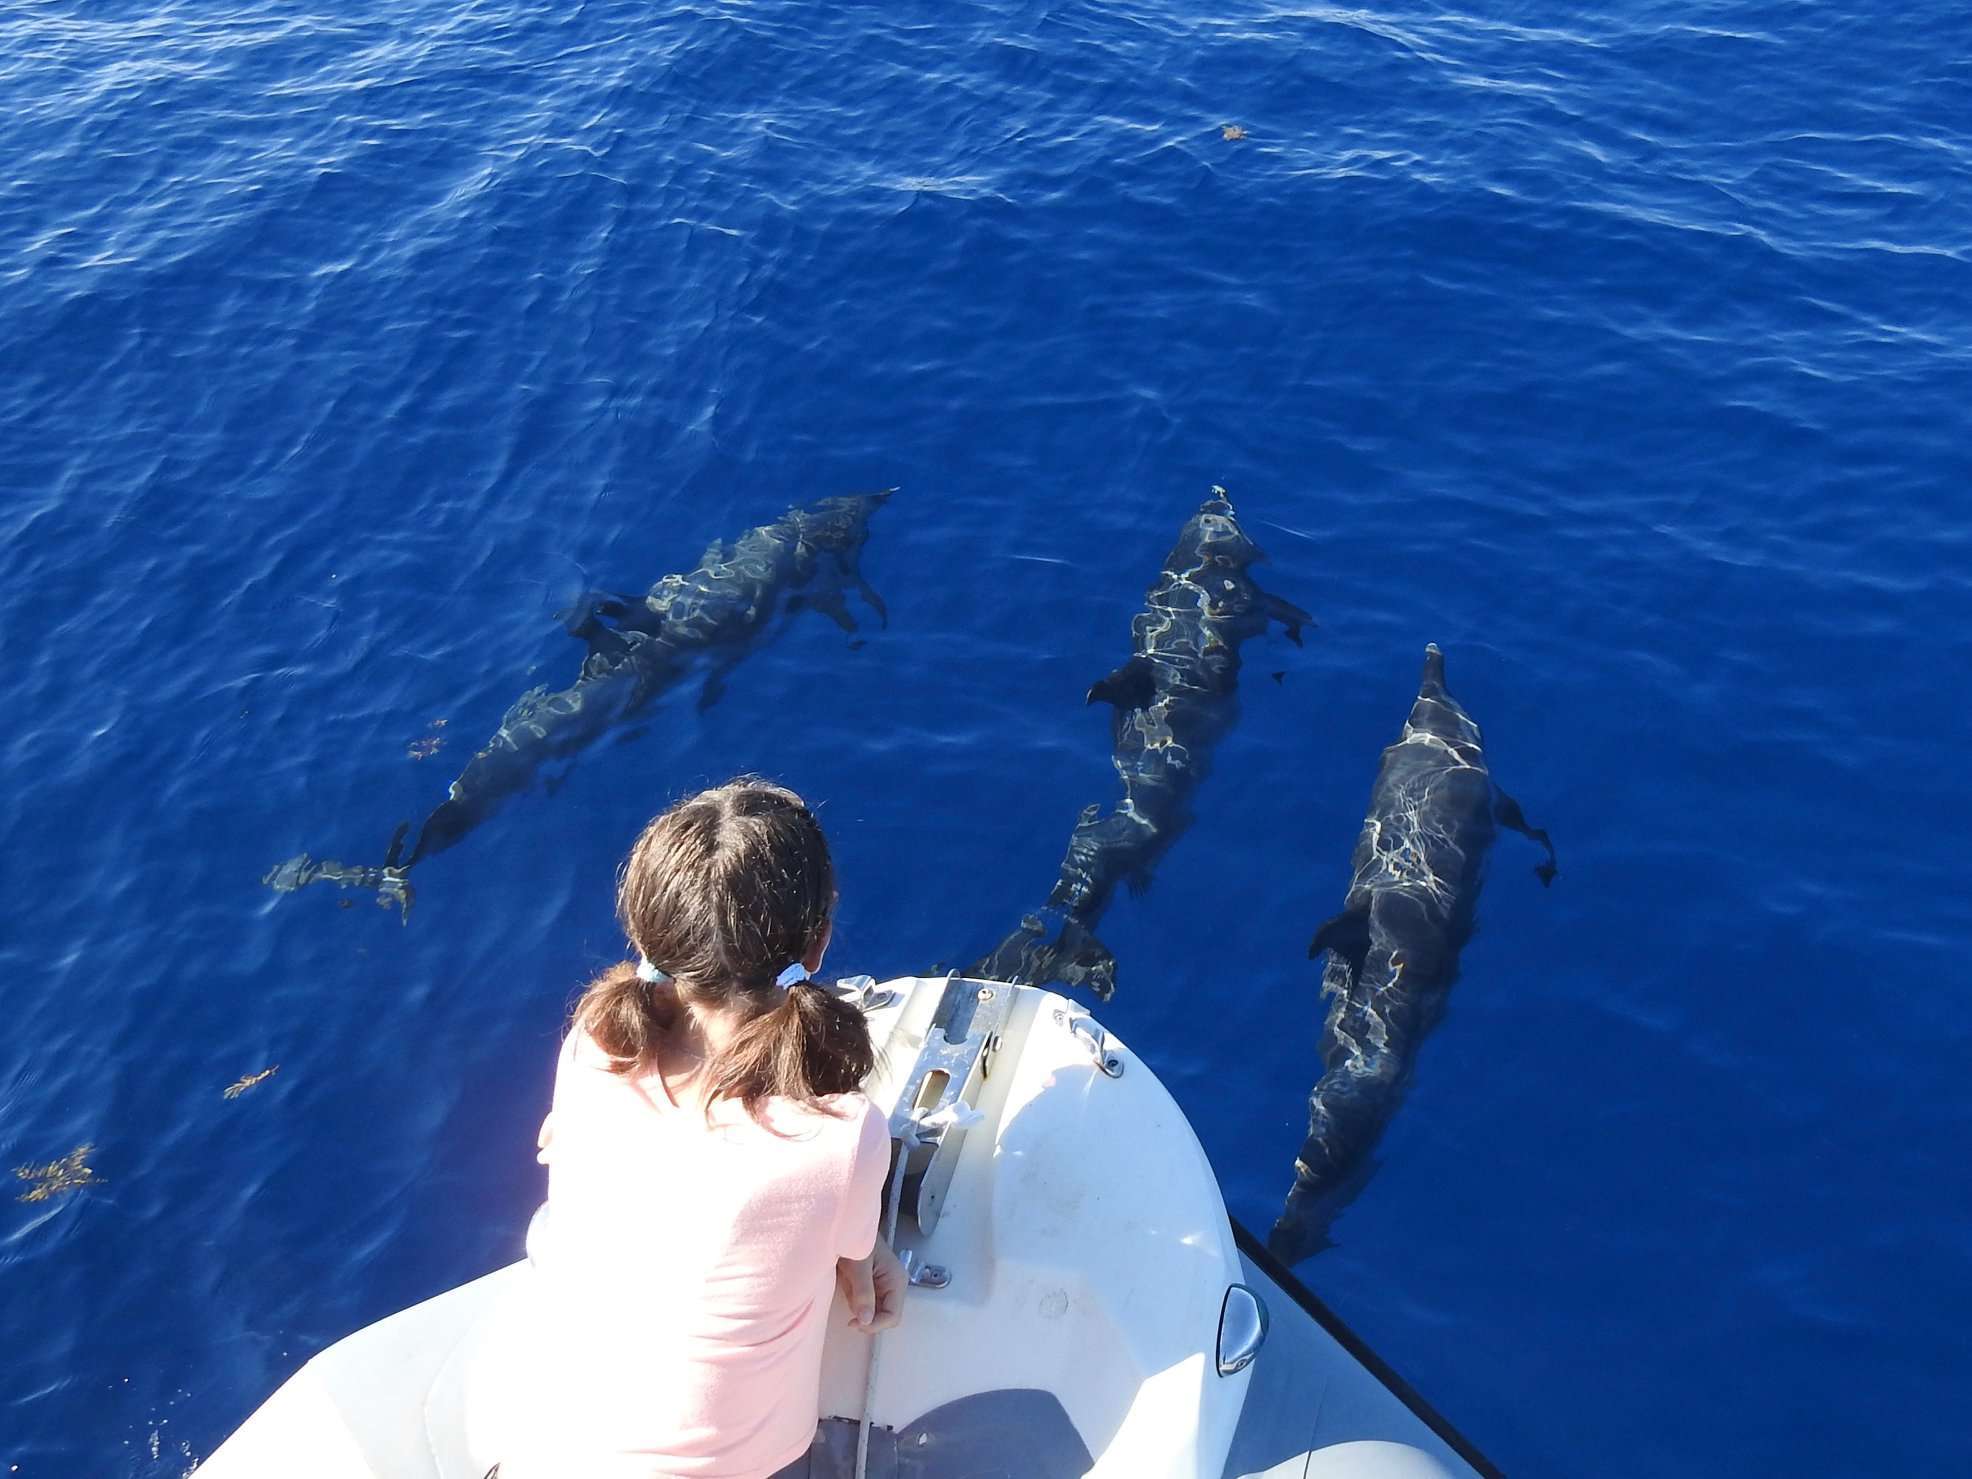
[(1624, 351)]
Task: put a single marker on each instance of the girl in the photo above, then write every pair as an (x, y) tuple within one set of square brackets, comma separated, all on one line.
[(714, 1171)]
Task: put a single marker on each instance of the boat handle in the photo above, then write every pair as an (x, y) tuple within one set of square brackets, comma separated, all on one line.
[(1242, 1329), (1089, 1033)]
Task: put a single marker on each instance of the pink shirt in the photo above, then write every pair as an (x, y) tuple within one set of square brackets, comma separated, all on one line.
[(686, 1276)]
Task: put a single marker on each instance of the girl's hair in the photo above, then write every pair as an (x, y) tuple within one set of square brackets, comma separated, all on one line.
[(722, 893)]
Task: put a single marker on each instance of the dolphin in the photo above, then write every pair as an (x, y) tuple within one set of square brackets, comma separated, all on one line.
[(1393, 950), (1171, 702), (638, 648)]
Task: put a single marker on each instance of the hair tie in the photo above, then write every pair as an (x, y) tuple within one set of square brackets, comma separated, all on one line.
[(648, 972), (794, 975)]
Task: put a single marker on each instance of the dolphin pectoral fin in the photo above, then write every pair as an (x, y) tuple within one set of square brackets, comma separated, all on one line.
[(1083, 960), (1131, 686), (395, 888), (715, 686), (606, 644), (1347, 934), (875, 602), (831, 604), (396, 845), (1507, 812), (583, 622), (590, 605), (1290, 616)]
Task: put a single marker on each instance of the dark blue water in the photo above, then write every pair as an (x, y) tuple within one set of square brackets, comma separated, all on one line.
[(1624, 353)]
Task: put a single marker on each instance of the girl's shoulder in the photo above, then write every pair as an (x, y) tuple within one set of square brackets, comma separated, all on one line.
[(845, 1122)]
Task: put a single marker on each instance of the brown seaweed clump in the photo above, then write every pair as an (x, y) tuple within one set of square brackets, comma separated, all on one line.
[(240, 1085), (65, 1175)]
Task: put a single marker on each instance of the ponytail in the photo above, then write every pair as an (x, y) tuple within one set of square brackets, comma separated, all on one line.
[(812, 1045), (809, 1047), (626, 1016)]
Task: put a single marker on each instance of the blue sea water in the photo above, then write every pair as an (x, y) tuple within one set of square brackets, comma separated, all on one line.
[(1624, 351)]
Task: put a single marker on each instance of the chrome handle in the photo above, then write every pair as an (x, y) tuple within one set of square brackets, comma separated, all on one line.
[(1089, 1033), (1243, 1326)]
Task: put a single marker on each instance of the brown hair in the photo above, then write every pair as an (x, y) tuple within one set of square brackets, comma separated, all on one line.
[(721, 893)]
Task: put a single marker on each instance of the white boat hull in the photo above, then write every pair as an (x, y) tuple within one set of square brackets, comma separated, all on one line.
[(1079, 1257)]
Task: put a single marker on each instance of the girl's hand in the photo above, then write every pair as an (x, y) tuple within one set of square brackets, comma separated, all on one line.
[(873, 1288)]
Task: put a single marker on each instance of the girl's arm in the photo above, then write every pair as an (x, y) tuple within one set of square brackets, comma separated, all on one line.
[(871, 1278), (873, 1288)]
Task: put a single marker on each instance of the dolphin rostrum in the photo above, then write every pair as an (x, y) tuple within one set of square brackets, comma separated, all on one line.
[(1393, 950), (1172, 700), (716, 611)]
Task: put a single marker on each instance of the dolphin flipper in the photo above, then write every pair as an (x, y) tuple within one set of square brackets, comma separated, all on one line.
[(607, 646), (1290, 616), (590, 605), (715, 685), (1507, 812), (1347, 934), (1131, 686), (848, 566), (831, 604), (869, 595)]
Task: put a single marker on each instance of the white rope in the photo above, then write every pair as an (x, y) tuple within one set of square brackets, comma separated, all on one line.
[(956, 1115), (889, 1235)]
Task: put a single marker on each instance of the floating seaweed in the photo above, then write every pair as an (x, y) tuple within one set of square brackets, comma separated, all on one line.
[(428, 744), (1232, 133), (240, 1085), (64, 1175)]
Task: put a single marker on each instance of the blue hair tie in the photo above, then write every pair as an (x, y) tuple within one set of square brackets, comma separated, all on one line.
[(648, 972), (794, 975)]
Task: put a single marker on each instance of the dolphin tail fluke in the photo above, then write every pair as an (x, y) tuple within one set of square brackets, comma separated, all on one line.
[(1507, 812), (1291, 617)]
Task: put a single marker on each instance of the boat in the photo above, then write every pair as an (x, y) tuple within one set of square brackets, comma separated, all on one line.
[(1080, 1302)]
